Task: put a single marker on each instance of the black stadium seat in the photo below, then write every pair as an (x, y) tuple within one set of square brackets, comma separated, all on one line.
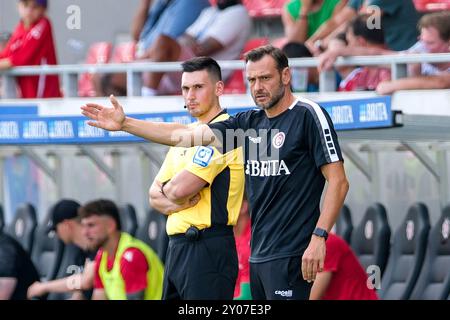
[(434, 279), (344, 224), (23, 226), (153, 232), (47, 250), (2, 219), (128, 219), (407, 254), (370, 239), (72, 261)]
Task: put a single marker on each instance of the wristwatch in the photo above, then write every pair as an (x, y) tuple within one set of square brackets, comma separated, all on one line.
[(321, 233)]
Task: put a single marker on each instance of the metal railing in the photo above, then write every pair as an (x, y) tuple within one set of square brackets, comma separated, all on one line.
[(69, 73)]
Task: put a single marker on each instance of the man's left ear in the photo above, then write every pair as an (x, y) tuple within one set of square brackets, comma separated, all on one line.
[(286, 76), (220, 86)]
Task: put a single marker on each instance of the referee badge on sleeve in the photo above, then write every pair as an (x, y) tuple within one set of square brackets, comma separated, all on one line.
[(203, 156)]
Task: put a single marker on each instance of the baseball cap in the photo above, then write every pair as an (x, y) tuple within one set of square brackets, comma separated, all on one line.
[(63, 210)]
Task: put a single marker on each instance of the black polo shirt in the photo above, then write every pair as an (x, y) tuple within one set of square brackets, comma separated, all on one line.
[(16, 263), (283, 156)]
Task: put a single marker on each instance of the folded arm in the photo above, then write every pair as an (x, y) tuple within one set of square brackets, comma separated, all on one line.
[(161, 203)]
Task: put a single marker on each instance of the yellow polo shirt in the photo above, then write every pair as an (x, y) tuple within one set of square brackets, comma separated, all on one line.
[(221, 199)]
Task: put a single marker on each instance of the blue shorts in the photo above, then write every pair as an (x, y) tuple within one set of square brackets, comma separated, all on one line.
[(174, 20)]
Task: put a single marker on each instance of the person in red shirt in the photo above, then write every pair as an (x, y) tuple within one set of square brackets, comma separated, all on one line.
[(101, 227), (32, 44), (343, 277), (133, 267), (242, 234)]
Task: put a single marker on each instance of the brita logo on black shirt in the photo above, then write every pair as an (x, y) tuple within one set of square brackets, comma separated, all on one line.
[(267, 168)]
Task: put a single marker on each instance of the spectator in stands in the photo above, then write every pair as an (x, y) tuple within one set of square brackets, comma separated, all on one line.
[(398, 17), (343, 277), (32, 45), (334, 26), (17, 271), (212, 35), (201, 190), (302, 18), (359, 34), (303, 79), (242, 234), (66, 223), (157, 26), (364, 78), (434, 38), (125, 267)]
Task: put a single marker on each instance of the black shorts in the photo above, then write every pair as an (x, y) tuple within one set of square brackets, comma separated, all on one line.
[(279, 279), (202, 269)]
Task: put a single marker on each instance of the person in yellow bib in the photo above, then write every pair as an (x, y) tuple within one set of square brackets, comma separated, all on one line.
[(201, 191), (125, 268)]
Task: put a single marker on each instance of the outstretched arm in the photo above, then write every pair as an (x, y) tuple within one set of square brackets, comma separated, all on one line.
[(415, 83), (329, 57), (78, 281), (172, 134)]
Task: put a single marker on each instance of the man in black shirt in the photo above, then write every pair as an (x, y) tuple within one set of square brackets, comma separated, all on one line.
[(291, 148), (17, 271), (78, 260)]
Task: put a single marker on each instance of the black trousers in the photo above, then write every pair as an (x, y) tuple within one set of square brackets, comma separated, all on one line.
[(279, 279), (202, 269)]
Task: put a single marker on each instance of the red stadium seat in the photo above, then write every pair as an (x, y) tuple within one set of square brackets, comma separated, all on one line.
[(432, 5), (264, 8), (236, 84), (98, 53), (124, 52)]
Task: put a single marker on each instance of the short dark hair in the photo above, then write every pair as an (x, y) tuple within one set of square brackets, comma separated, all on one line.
[(101, 207), (296, 50), (268, 50), (203, 63), (361, 28)]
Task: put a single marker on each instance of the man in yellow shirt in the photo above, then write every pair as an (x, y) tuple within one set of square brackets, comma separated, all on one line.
[(201, 190)]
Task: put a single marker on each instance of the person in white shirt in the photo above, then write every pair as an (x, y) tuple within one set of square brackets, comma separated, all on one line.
[(220, 32)]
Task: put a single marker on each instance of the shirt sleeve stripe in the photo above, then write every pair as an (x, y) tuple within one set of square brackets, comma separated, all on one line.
[(328, 143)]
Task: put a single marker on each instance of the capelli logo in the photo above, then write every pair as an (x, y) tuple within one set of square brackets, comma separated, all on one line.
[(284, 293)]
